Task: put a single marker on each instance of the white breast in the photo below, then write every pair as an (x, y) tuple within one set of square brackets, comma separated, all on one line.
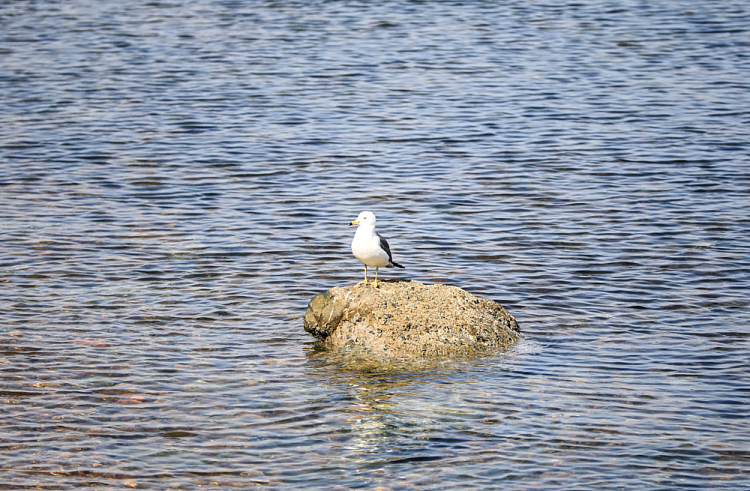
[(366, 248)]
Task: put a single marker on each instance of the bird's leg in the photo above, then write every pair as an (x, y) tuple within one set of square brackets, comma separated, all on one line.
[(376, 277), (365, 281)]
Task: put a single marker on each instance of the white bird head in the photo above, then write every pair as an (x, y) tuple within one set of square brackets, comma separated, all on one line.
[(366, 218)]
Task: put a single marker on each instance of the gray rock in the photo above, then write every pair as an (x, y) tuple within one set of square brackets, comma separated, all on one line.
[(408, 318)]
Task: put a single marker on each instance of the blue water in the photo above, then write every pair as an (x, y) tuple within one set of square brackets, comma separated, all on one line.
[(177, 179)]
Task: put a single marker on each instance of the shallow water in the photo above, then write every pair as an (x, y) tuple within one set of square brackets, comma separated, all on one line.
[(177, 180)]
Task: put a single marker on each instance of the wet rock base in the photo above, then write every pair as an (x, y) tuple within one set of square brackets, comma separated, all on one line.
[(409, 318)]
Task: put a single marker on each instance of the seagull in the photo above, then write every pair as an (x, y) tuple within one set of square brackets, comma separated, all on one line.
[(370, 247)]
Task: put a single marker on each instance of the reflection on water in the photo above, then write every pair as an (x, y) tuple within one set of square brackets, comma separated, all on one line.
[(177, 183)]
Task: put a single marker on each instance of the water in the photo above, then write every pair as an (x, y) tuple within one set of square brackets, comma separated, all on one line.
[(177, 180)]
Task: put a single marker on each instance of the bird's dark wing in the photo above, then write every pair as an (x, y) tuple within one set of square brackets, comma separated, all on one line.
[(384, 246)]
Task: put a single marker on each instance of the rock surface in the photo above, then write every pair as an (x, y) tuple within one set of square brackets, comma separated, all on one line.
[(409, 318)]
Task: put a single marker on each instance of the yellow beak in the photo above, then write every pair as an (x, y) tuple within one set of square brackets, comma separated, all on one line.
[(355, 222)]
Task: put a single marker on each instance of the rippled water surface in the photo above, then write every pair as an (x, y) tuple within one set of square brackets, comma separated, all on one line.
[(177, 179)]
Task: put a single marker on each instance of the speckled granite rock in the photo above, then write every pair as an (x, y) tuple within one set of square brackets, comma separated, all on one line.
[(409, 318)]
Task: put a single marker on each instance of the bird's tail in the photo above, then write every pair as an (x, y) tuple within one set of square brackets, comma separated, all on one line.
[(397, 265)]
